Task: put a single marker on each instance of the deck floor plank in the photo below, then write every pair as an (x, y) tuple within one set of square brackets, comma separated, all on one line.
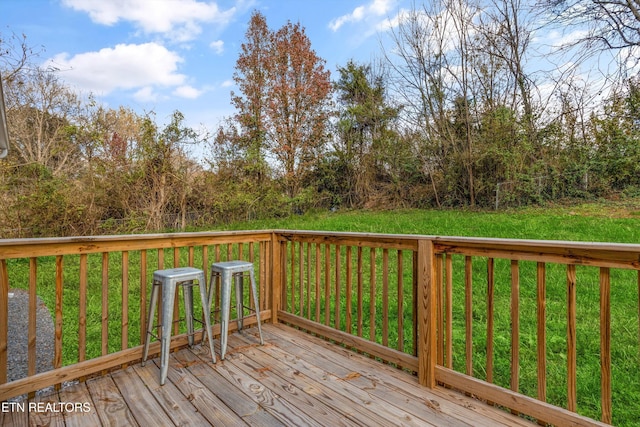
[(15, 418), (307, 397), (402, 389), (140, 400), (176, 404), (337, 391), (204, 400), (238, 402), (295, 379), (42, 416), (109, 403), (272, 402), (85, 415), (374, 377)]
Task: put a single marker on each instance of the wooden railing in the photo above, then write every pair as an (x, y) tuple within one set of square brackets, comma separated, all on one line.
[(536, 327), (97, 290), (503, 320)]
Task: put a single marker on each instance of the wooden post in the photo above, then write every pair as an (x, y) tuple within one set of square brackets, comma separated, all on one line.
[(277, 266), (426, 314)]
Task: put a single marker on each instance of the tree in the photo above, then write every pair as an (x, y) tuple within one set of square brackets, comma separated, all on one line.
[(433, 78), (42, 110), (613, 24), (297, 111), (252, 73), (284, 99), (602, 25), (163, 169), (364, 120), (617, 139)]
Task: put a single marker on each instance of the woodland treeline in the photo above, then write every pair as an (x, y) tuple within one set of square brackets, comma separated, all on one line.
[(455, 112)]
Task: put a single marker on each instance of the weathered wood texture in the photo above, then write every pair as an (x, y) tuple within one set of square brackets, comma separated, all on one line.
[(295, 379), (389, 296)]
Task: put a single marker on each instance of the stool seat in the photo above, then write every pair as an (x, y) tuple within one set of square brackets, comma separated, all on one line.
[(226, 270), (168, 279)]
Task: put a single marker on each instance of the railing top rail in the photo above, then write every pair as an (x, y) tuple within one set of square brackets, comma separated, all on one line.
[(605, 254), (16, 248), (471, 241), (626, 255)]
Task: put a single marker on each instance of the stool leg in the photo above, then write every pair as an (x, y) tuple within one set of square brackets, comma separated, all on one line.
[(239, 282), (206, 311), (256, 304), (225, 308), (152, 310), (213, 280), (168, 299), (187, 292)]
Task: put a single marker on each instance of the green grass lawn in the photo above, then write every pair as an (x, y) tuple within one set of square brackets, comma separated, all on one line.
[(589, 222)]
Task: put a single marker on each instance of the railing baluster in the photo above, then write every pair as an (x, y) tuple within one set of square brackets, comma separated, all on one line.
[(372, 294), (439, 309), (414, 308), (542, 330), (317, 297), (400, 345), (360, 296), (143, 295), (571, 339), (292, 277), (4, 319), (31, 333), (490, 311), (515, 325), (385, 297), (216, 304), (105, 303), (124, 340), (448, 266), (308, 263), (176, 300), (57, 347), (338, 272), (327, 284), (348, 291), (468, 314), (605, 344), (301, 277)]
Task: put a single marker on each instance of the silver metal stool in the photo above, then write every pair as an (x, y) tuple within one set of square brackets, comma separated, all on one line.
[(237, 270), (169, 279)]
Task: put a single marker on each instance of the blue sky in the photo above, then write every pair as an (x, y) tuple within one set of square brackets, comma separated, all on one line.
[(163, 55)]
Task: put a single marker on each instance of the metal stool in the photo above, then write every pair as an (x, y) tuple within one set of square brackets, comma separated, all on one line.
[(237, 270), (169, 279)]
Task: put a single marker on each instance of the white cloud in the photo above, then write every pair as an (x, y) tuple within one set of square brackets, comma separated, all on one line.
[(227, 83), (374, 9), (187, 91), (145, 94), (177, 20), (125, 66), (217, 46)]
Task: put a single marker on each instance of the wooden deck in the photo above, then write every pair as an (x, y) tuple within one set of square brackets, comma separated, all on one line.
[(295, 379)]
